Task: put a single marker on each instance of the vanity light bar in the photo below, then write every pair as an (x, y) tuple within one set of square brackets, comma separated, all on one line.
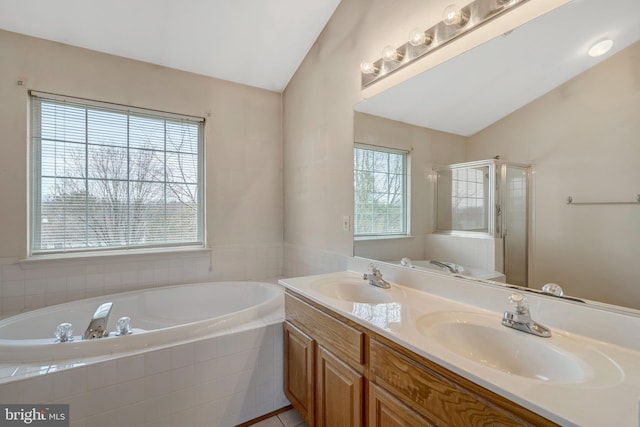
[(456, 22)]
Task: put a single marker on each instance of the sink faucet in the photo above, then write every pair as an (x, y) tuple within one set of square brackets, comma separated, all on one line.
[(375, 277), (521, 318), (98, 326)]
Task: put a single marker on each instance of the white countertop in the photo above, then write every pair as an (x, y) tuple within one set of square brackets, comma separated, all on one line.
[(605, 400)]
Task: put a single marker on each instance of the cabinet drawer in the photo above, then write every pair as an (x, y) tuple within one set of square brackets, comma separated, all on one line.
[(439, 398), (341, 339)]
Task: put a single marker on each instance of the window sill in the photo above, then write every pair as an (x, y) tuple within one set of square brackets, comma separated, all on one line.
[(372, 238), (132, 255)]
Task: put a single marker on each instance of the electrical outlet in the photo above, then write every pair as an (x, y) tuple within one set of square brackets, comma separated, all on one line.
[(346, 220)]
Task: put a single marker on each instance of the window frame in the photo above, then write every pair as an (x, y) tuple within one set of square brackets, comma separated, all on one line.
[(35, 174), (406, 194)]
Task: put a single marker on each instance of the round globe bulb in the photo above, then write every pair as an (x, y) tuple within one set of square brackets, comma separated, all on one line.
[(389, 53), (452, 15), (367, 67), (417, 37)]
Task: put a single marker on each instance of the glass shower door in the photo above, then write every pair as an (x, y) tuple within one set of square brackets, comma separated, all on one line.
[(514, 213)]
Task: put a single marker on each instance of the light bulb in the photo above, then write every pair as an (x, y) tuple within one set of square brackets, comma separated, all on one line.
[(453, 15), (389, 53), (418, 37), (600, 48), (368, 68)]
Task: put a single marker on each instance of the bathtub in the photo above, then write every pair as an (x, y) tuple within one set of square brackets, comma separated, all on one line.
[(203, 354), (159, 317)]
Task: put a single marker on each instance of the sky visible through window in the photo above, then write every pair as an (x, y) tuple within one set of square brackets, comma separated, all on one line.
[(380, 192), (111, 179)]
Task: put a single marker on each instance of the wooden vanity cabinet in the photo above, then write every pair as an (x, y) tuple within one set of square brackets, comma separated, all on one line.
[(339, 373), (299, 371), (339, 392), (324, 364), (387, 411)]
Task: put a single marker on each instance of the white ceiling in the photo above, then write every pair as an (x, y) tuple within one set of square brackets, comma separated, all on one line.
[(254, 42), (470, 92)]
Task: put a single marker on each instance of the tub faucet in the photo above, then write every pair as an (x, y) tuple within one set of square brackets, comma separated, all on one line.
[(375, 277), (98, 326), (446, 266), (521, 318)]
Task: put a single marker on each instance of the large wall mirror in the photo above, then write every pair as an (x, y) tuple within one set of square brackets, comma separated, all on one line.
[(533, 97)]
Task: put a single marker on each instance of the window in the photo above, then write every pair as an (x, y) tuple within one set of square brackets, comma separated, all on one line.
[(380, 188), (105, 176), (462, 198), (469, 194)]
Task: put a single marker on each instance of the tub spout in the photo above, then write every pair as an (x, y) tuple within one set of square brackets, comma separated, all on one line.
[(98, 326), (446, 266)]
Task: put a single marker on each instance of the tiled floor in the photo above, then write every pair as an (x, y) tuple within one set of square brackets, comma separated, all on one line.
[(289, 418)]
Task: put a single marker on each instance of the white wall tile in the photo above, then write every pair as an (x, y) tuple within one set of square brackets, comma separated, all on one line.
[(38, 389), (130, 368), (9, 393), (157, 407), (69, 381), (157, 361), (130, 415), (182, 355), (101, 374), (205, 371), (130, 392), (147, 390), (205, 350), (12, 304), (158, 384), (182, 377), (13, 288)]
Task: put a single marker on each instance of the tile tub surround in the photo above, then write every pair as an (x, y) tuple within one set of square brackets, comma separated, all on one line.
[(609, 333), (219, 381), (30, 285)]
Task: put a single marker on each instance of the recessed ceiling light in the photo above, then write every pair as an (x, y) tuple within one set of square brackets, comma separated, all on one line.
[(600, 48)]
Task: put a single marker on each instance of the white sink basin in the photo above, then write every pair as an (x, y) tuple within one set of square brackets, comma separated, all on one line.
[(355, 290), (482, 339)]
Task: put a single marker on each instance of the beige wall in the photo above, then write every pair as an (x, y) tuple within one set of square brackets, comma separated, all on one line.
[(318, 116), (243, 134), (426, 148), (582, 140)]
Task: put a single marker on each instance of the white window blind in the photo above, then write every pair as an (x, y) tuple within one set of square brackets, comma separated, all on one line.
[(380, 188), (111, 177)]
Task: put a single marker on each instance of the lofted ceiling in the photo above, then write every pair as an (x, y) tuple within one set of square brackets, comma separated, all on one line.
[(474, 90), (258, 43)]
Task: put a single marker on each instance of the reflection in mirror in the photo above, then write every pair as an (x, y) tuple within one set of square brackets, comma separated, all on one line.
[(462, 199), (533, 97)]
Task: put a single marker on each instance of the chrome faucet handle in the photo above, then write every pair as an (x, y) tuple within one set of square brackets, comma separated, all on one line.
[(520, 302), (553, 289), (374, 270), (375, 277), (406, 262), (521, 319)]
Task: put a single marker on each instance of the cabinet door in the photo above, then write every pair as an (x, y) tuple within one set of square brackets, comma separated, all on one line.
[(298, 371), (387, 411), (339, 392)]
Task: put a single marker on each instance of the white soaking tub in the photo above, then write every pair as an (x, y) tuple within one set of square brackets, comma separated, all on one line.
[(159, 317), (204, 354)]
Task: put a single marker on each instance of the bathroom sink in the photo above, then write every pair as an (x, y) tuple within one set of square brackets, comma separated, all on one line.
[(354, 290), (482, 339)]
